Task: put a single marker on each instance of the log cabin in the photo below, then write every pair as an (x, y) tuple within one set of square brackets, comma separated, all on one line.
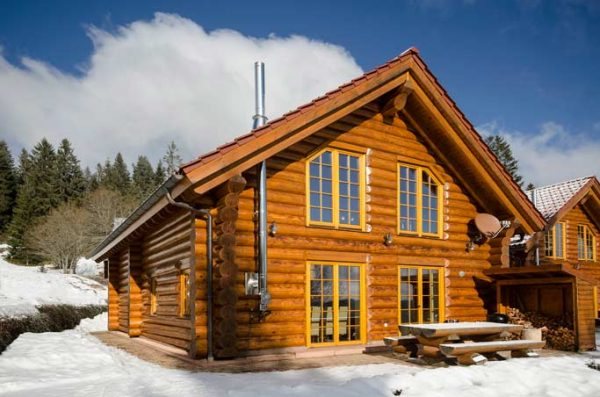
[(566, 278), (326, 227)]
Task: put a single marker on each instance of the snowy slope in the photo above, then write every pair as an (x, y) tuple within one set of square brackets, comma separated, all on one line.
[(74, 363), (22, 288)]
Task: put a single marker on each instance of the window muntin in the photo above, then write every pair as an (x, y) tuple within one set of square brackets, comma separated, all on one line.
[(420, 295), (555, 241), (419, 201), (336, 189), (153, 296), (335, 301), (586, 243), (184, 294)]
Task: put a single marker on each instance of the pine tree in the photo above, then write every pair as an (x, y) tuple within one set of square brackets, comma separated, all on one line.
[(23, 167), (8, 186), (37, 195), (530, 186), (503, 152), (102, 173), (71, 181), (91, 180), (172, 159), (118, 175), (143, 180), (159, 174)]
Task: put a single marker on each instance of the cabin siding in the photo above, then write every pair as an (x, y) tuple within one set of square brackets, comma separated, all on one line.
[(165, 250), (586, 325), (123, 289), (296, 243), (113, 294)]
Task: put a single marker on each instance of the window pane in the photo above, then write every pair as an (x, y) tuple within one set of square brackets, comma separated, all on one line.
[(408, 199)]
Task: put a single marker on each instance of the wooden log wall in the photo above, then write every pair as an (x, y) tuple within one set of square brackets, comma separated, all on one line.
[(200, 304), (123, 289), (135, 289), (226, 269), (586, 325), (166, 250), (113, 294), (295, 243)]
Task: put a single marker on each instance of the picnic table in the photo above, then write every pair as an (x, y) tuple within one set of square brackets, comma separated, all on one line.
[(468, 342)]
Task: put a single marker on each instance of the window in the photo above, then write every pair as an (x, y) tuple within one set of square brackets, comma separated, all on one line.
[(420, 295), (586, 243), (184, 294), (335, 304), (336, 189), (153, 297), (419, 202), (555, 241)]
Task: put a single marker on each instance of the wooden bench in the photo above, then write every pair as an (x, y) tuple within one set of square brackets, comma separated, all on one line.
[(470, 352), (403, 344)]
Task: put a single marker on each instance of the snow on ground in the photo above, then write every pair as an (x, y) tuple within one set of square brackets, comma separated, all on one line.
[(22, 288), (74, 363)]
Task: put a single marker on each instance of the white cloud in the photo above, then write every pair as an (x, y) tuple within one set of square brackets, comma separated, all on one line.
[(551, 154), (153, 81)]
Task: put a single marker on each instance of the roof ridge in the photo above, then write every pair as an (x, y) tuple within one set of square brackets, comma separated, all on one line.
[(302, 107), (560, 183)]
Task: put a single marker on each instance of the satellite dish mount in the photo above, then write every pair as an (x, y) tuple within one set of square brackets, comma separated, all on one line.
[(483, 228)]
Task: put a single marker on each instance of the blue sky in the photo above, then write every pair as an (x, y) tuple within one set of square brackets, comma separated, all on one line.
[(527, 69)]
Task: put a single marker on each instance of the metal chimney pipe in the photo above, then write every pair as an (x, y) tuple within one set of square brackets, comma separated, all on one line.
[(259, 121)]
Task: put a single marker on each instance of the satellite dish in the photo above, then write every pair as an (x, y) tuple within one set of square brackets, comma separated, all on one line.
[(488, 225)]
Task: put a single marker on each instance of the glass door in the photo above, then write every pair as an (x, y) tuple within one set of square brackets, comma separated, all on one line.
[(335, 305), (420, 295)]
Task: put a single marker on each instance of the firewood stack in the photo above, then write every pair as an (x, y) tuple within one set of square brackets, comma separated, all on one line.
[(557, 331)]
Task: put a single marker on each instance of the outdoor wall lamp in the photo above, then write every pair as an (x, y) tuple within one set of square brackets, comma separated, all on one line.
[(388, 239), (273, 229)]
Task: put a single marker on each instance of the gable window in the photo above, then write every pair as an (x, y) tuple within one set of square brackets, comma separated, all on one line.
[(184, 294), (336, 189), (586, 243), (153, 297), (419, 201), (555, 241)]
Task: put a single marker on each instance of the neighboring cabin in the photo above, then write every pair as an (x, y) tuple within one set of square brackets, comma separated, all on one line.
[(371, 192)]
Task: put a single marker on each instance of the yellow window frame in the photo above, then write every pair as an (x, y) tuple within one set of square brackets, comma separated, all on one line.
[(440, 205), (336, 296), (184, 294), (551, 235), (335, 180), (587, 232), (441, 291)]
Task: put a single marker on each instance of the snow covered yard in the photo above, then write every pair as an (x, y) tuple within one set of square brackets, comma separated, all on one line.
[(23, 288), (74, 363)]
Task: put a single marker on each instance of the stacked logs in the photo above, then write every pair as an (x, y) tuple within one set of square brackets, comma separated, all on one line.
[(226, 269), (556, 330)]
